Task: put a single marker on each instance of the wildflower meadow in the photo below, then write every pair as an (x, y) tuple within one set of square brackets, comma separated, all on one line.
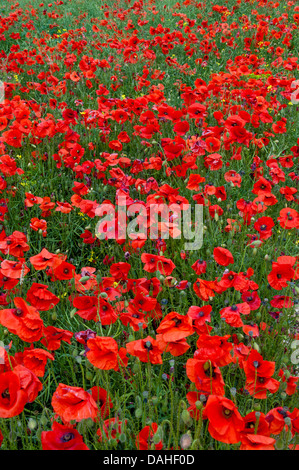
[(149, 221)]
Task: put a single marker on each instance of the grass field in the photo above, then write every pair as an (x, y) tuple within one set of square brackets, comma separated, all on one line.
[(111, 341)]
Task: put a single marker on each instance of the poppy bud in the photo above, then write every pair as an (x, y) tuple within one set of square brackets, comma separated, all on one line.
[(287, 374), (104, 295), (89, 375), (44, 420), (199, 405), (84, 279), (216, 217), (32, 424), (256, 346), (267, 258), (254, 251), (138, 413), (186, 418), (155, 400), (238, 295), (288, 421), (279, 443), (122, 438), (158, 435), (72, 312), (258, 315), (54, 316)]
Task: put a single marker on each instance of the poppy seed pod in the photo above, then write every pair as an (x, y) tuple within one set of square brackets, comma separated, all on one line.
[(185, 441), (138, 413), (32, 424)]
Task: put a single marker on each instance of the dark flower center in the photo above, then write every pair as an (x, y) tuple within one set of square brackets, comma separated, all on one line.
[(226, 412), (68, 437), (5, 394), (18, 312)]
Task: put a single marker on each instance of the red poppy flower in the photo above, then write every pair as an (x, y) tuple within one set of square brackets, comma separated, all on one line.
[(147, 350), (35, 359), (23, 321), (102, 400), (225, 421), (29, 382), (200, 315), (199, 267), (15, 245), (157, 263), (53, 337), (264, 226), (288, 218), (231, 315), (281, 274), (175, 327), (144, 438), (12, 397), (214, 348), (223, 256), (103, 353), (176, 348), (206, 375), (41, 298), (43, 260)]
